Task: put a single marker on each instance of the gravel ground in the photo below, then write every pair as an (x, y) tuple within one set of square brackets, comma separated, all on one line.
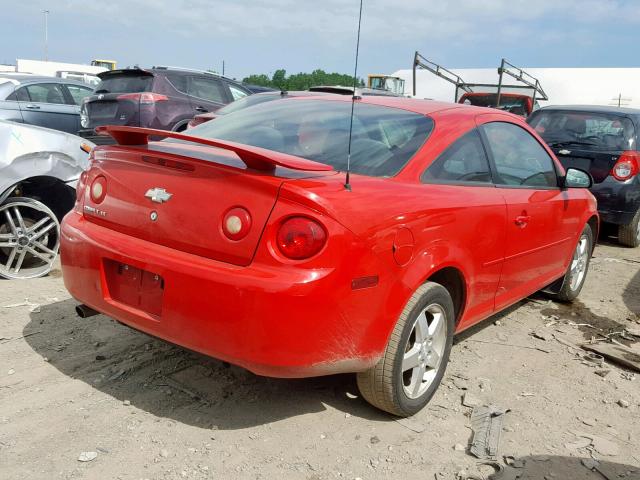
[(149, 410)]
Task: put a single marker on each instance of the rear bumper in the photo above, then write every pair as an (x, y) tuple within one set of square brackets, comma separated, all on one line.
[(618, 202), (280, 322)]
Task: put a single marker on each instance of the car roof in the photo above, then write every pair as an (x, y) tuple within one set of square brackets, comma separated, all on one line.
[(28, 78), (593, 108), (421, 106)]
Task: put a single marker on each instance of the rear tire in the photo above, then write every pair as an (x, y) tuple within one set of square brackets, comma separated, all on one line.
[(629, 235), (422, 336), (578, 267)]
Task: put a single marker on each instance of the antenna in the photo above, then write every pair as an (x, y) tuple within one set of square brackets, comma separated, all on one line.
[(347, 185)]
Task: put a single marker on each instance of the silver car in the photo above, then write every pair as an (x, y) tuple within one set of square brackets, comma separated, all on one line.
[(44, 101), (39, 169)]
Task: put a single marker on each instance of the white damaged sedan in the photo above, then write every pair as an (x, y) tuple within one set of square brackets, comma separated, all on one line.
[(39, 168)]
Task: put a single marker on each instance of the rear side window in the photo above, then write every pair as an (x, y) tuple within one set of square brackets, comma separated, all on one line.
[(20, 95), (178, 81), (519, 159), (236, 93), (585, 130), (46, 93), (384, 139), (78, 93), (464, 161), (125, 83), (207, 89)]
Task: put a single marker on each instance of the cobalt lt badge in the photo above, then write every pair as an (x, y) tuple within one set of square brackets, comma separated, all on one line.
[(158, 195)]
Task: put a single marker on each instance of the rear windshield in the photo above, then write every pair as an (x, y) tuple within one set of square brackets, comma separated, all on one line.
[(383, 140), (587, 130), (125, 83)]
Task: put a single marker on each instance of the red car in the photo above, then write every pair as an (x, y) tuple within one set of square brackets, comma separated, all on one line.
[(243, 241)]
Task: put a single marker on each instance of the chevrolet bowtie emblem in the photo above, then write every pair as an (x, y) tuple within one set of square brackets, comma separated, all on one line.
[(158, 195)]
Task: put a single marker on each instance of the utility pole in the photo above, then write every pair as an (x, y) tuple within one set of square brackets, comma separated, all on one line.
[(223, 68), (46, 35)]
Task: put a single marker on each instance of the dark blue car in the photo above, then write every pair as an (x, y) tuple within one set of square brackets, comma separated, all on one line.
[(49, 102), (604, 142)]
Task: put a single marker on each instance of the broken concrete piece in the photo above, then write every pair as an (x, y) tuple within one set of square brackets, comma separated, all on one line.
[(590, 463), (578, 444), (87, 456), (602, 445), (486, 423), (470, 400), (624, 403)]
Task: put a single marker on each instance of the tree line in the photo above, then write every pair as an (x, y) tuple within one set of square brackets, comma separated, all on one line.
[(300, 81)]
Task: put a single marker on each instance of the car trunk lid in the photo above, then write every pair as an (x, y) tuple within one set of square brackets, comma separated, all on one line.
[(177, 194), (597, 163)]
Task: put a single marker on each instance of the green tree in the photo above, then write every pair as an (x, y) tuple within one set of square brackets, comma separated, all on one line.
[(301, 81)]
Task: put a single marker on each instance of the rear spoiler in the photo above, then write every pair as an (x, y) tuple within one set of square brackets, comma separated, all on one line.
[(253, 157)]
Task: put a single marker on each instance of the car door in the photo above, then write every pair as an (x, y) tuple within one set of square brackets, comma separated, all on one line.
[(537, 240), (206, 94), (10, 106), (47, 107), (460, 177)]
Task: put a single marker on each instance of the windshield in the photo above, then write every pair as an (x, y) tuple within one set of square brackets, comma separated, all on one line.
[(383, 140), (588, 130), (125, 83), (248, 102)]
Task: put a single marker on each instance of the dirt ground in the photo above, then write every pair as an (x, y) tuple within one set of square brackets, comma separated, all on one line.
[(150, 410)]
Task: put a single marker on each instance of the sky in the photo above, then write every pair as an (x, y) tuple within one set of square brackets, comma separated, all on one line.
[(260, 36)]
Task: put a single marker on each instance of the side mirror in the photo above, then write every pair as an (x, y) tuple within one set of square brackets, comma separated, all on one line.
[(576, 178)]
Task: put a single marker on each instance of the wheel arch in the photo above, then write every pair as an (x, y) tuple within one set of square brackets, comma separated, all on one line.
[(453, 279), (53, 192), (594, 223)]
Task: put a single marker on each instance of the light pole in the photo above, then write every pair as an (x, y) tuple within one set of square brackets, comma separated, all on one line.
[(46, 35)]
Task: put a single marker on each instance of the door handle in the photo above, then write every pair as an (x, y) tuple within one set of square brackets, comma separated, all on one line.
[(31, 106), (201, 109), (522, 220)]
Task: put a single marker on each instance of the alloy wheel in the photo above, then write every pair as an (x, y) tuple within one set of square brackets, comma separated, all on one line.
[(579, 263), (29, 239), (424, 351)]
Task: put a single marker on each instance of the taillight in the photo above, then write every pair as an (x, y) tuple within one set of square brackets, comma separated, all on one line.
[(626, 166), (300, 238), (236, 223), (98, 189), (144, 98)]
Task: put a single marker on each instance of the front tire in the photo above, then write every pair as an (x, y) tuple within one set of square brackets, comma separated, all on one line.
[(629, 235), (578, 267), (413, 364)]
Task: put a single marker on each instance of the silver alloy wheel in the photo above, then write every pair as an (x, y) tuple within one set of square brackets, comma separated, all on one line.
[(638, 231), (579, 263), (29, 239), (424, 350)]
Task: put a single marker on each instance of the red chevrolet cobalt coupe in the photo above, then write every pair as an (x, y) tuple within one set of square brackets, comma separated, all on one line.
[(242, 241)]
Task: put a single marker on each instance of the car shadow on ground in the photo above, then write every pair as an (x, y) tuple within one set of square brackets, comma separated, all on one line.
[(541, 467), (169, 381)]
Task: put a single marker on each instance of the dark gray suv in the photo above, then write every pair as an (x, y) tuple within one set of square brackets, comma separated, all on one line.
[(164, 98), (44, 101)]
